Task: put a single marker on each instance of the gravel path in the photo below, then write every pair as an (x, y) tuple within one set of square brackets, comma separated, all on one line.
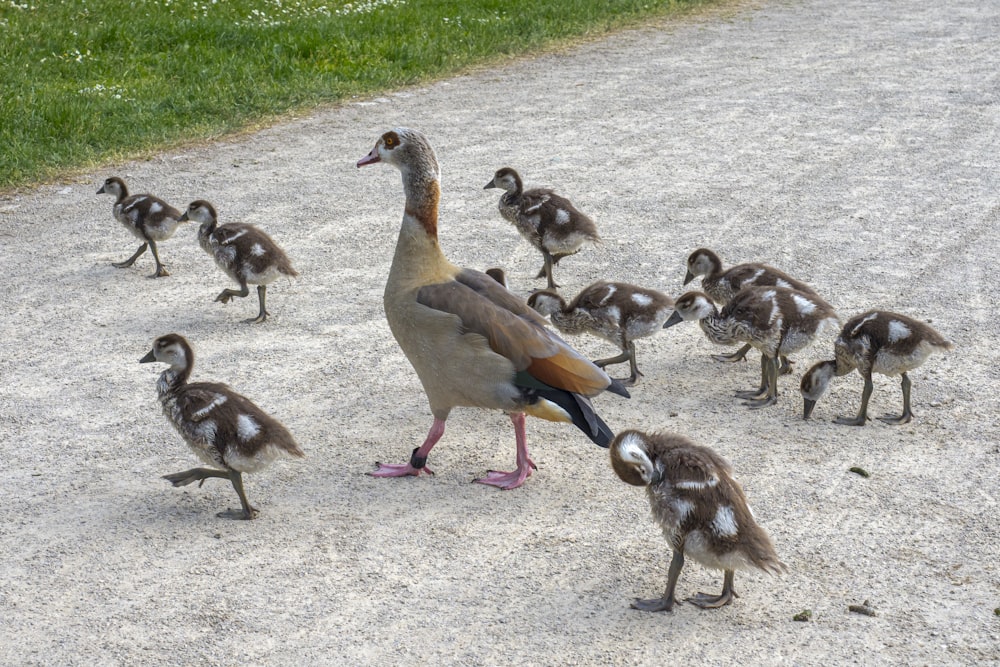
[(852, 143)]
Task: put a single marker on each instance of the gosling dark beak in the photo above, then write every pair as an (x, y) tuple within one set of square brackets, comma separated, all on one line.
[(491, 184), (101, 191), (657, 477), (807, 407), (184, 217), (148, 358), (688, 277), (673, 319)]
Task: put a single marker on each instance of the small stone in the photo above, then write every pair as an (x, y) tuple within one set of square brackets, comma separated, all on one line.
[(804, 616)]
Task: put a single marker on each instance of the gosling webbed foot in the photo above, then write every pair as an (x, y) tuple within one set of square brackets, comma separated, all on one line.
[(239, 515), (759, 403), (896, 420), (760, 392), (193, 475), (161, 272), (733, 357), (224, 297), (851, 421), (786, 366), (654, 604), (262, 317), (123, 265), (706, 601)]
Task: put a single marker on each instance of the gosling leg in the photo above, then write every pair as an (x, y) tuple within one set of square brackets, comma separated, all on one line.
[(907, 414), (131, 260), (770, 369), (862, 416), (667, 602), (761, 391), (227, 294), (261, 297), (160, 270), (738, 355)]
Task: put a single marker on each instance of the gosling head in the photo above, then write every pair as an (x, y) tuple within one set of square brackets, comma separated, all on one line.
[(701, 262), (691, 306), (505, 178), (630, 459), (171, 349), (814, 384), (114, 186), (546, 302), (200, 211)]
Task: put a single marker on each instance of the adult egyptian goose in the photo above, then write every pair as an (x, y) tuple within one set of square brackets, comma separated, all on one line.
[(149, 218), (549, 222), (244, 252), (471, 341), (723, 284), (877, 341), (700, 507), (617, 312), (223, 428), (775, 320)]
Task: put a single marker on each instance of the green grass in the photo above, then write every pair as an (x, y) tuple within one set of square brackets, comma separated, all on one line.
[(85, 82)]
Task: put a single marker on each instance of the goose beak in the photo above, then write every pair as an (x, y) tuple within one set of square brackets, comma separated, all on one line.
[(807, 407), (688, 277), (371, 158), (148, 358), (675, 318)]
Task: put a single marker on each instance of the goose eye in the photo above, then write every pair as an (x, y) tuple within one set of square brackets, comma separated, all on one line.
[(391, 141)]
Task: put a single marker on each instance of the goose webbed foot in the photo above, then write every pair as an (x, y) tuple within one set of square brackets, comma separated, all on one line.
[(398, 470), (508, 480), (654, 604)]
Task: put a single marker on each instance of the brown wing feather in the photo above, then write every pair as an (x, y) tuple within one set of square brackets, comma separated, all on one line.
[(514, 331)]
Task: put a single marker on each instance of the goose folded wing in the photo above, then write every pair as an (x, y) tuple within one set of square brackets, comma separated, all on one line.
[(514, 331)]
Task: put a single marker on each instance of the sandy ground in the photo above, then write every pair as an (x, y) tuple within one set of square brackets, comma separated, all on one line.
[(852, 143)]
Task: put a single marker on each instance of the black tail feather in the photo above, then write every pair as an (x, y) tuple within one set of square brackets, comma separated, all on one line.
[(582, 413)]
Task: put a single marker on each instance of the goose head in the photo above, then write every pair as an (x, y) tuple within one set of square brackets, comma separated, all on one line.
[(406, 149), (630, 459), (692, 306), (814, 384)]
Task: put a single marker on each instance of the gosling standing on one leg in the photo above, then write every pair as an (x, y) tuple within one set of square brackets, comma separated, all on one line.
[(244, 252), (226, 430), (701, 508), (877, 341), (617, 312), (149, 218), (547, 221)]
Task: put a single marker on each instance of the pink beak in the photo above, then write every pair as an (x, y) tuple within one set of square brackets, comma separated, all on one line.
[(371, 158)]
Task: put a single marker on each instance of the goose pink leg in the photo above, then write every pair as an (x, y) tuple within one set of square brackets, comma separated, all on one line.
[(415, 465), (514, 478)]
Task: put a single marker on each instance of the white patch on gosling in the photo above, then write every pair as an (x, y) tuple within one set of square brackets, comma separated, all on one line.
[(562, 216), (752, 279), (724, 523), (633, 449), (257, 249), (609, 292), (235, 236), (246, 428), (804, 305), (862, 323), (898, 331), (782, 283), (216, 402), (642, 299), (697, 484), (155, 207), (682, 508)]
